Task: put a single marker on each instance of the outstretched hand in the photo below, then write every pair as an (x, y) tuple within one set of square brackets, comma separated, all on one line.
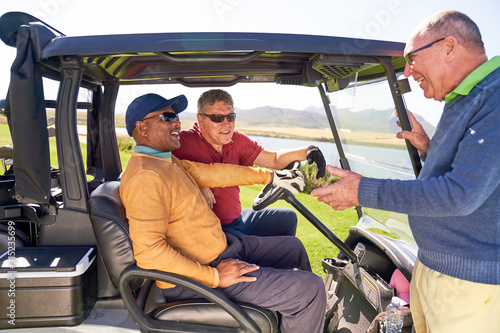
[(342, 194), (417, 137), (232, 271)]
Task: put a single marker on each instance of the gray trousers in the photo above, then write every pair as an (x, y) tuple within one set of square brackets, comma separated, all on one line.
[(284, 283)]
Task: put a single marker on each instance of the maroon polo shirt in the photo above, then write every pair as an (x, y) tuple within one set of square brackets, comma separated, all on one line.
[(240, 151)]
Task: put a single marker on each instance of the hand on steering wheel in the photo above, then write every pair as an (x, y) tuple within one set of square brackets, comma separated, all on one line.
[(284, 182), (292, 180), (314, 155)]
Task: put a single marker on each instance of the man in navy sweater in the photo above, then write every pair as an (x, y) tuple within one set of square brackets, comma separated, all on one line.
[(454, 206)]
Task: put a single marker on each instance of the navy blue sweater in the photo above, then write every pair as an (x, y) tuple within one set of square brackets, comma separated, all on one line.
[(454, 206)]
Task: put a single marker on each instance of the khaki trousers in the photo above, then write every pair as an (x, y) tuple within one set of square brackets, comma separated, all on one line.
[(443, 304)]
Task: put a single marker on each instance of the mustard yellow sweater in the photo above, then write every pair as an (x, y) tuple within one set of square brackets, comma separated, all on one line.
[(171, 226)]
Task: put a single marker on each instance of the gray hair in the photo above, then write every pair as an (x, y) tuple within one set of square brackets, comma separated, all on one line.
[(456, 24), (210, 97)]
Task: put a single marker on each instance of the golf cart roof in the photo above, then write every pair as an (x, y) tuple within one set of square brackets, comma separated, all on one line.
[(205, 59), (208, 58)]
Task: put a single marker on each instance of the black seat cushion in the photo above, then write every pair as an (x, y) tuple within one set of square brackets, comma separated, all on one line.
[(201, 311)]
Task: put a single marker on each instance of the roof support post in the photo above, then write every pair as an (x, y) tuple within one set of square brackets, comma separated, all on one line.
[(107, 132), (344, 163), (73, 178), (398, 88)]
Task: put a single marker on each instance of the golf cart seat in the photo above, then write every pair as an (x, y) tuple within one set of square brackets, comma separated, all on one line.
[(211, 313)]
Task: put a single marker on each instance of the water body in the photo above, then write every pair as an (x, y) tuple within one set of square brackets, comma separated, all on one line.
[(369, 161)]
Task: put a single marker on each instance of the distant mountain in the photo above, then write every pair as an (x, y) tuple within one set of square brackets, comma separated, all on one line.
[(374, 120), (187, 118), (273, 116), (313, 117), (316, 109)]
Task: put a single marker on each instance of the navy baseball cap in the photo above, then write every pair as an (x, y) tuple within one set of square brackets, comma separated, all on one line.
[(145, 104)]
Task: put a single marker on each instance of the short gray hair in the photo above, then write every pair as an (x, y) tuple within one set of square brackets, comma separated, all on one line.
[(456, 24), (210, 97)]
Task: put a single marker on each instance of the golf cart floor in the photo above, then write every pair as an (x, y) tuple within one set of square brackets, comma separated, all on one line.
[(106, 317)]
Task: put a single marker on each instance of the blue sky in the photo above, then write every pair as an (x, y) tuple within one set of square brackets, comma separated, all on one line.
[(374, 19)]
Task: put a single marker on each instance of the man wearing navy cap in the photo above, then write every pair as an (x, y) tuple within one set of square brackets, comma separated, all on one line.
[(142, 106), (174, 230)]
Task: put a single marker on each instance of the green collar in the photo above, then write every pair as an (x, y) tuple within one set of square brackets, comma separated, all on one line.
[(151, 151), (465, 87)]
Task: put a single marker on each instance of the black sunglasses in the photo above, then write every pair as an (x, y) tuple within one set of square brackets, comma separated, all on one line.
[(408, 58), (219, 118), (165, 116)]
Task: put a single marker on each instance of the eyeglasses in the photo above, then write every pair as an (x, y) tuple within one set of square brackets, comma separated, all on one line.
[(408, 56), (165, 116), (219, 118)]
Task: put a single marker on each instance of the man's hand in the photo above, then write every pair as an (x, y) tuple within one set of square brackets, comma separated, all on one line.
[(209, 196), (232, 271), (313, 154), (292, 180), (344, 193), (417, 137)]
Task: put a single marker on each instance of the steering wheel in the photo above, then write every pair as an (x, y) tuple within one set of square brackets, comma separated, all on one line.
[(270, 193)]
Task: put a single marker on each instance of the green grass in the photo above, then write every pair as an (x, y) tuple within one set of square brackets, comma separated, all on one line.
[(5, 139), (5, 135), (316, 244)]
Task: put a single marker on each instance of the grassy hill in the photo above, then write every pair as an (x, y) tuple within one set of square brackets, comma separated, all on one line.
[(374, 120), (273, 116)]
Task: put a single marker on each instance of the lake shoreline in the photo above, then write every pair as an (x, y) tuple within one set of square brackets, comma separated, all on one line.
[(351, 138)]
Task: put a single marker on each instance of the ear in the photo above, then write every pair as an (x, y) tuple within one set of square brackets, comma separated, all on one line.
[(141, 128), (451, 48), (199, 117)]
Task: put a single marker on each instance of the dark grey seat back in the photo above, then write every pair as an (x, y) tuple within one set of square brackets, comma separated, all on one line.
[(111, 230)]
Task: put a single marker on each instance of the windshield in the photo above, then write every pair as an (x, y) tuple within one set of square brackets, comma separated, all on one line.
[(366, 121), (365, 117)]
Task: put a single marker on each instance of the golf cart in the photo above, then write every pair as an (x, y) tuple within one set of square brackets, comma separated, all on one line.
[(67, 257)]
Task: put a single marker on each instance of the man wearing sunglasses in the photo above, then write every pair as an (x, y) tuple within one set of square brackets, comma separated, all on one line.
[(453, 206), (173, 229), (214, 140)]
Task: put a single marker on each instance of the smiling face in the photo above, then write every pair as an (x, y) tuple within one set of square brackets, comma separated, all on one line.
[(217, 134), (427, 67), (156, 133)]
